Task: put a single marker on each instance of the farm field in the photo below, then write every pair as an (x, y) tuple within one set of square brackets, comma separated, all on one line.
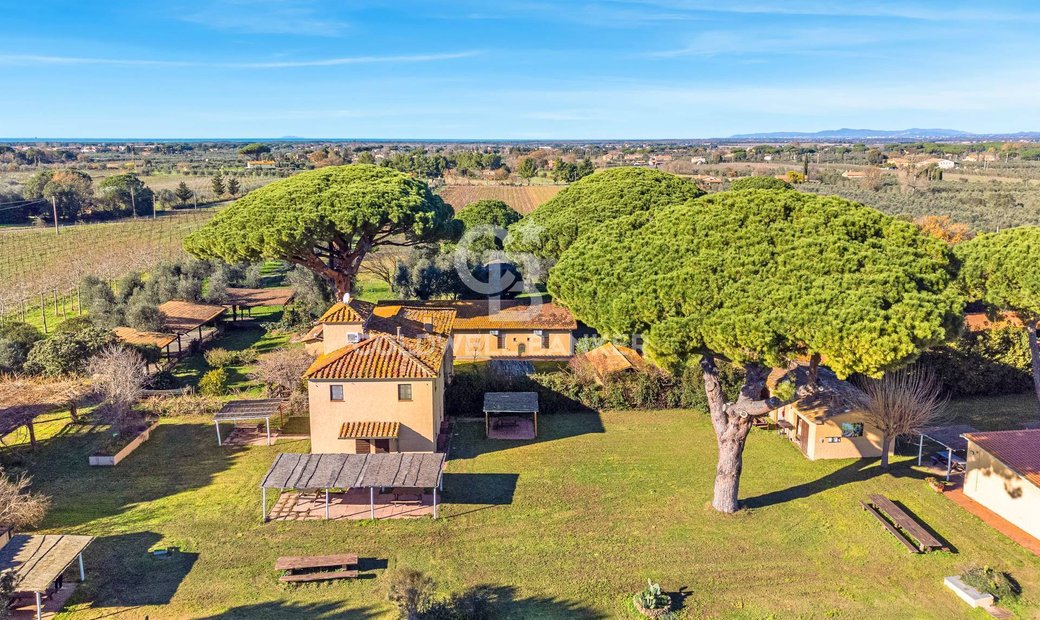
[(523, 198), (35, 261), (563, 527)]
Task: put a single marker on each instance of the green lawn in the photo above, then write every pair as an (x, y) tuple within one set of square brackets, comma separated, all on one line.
[(564, 527), (237, 336), (988, 413)]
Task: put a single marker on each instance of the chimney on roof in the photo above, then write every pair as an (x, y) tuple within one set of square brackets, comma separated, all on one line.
[(346, 298), (398, 331)]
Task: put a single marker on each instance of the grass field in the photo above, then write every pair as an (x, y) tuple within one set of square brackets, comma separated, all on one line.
[(523, 198), (33, 261), (564, 527)]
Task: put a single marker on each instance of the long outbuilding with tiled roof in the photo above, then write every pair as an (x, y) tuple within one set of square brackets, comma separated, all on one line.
[(1003, 474)]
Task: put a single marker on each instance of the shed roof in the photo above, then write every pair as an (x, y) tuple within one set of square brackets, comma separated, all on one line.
[(511, 402), (352, 471), (38, 560), (184, 316), (609, 358), (254, 297), (135, 337), (249, 409), (1019, 450)]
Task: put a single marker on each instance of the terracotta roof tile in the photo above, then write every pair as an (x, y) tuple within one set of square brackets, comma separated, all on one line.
[(484, 314), (356, 311), (609, 358), (1019, 450), (382, 357), (369, 430)]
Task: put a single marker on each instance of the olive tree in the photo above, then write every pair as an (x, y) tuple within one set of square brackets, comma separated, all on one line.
[(1000, 269), (326, 220), (757, 278), (605, 195)]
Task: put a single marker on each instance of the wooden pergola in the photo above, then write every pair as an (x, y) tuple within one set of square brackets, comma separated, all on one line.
[(184, 317), (498, 403), (23, 400), (248, 410), (38, 561), (321, 472), (242, 300)]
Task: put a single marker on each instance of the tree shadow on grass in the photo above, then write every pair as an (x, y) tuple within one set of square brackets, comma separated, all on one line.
[(856, 471), (506, 603), (179, 457), (121, 572), (283, 609), (470, 441)]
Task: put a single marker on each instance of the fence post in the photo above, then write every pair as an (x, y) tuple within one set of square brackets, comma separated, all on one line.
[(43, 312)]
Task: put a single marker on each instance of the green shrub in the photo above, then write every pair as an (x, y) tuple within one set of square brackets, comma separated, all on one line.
[(73, 325), (983, 363), (214, 383), (16, 339), (219, 358), (999, 584), (759, 182), (164, 380), (64, 354), (189, 404)]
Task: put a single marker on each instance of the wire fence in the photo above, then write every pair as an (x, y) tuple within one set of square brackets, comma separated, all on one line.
[(40, 271)]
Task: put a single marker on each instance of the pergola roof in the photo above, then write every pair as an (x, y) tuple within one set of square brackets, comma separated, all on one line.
[(22, 400), (184, 316), (254, 297), (132, 336), (511, 402), (354, 471), (38, 560), (249, 409), (949, 436)]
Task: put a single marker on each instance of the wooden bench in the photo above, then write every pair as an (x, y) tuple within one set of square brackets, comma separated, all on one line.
[(320, 576), (902, 525), (345, 563)]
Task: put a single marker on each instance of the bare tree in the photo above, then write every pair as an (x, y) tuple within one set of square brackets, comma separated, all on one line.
[(119, 375), (19, 507), (901, 403), (381, 265), (872, 179), (282, 371)]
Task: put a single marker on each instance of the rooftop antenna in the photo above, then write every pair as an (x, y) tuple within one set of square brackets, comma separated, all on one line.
[(346, 297)]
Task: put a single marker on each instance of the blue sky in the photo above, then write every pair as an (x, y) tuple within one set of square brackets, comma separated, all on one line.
[(526, 69)]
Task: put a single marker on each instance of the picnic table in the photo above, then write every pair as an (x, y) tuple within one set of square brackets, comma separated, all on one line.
[(902, 525), (299, 569)]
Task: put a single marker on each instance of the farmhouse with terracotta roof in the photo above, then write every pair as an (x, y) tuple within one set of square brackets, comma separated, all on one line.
[(379, 384)]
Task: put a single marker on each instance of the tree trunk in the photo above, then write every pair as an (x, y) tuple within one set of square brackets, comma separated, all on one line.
[(732, 425), (814, 370), (886, 449), (1034, 349), (343, 282)]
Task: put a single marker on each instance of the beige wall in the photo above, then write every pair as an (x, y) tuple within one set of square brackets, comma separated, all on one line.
[(334, 335), (470, 345), (376, 401), (817, 445), (992, 484)]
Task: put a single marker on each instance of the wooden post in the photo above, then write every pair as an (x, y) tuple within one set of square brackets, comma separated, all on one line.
[(434, 502), (43, 312), (536, 424), (54, 208), (372, 502), (326, 504), (32, 433), (73, 413)]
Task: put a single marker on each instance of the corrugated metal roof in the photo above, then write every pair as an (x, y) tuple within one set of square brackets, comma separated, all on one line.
[(353, 471), (370, 430), (1019, 450)]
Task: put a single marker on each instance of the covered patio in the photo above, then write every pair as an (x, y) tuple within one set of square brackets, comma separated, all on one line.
[(952, 454), (38, 563), (506, 415), (353, 486), (259, 410), (187, 321)]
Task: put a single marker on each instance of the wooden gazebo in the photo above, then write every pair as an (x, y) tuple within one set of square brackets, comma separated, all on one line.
[(23, 400), (38, 561), (510, 405)]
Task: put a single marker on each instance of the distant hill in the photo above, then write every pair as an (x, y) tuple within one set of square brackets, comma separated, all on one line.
[(858, 134)]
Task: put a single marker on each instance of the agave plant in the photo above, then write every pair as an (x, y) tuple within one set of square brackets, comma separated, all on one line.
[(651, 597)]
